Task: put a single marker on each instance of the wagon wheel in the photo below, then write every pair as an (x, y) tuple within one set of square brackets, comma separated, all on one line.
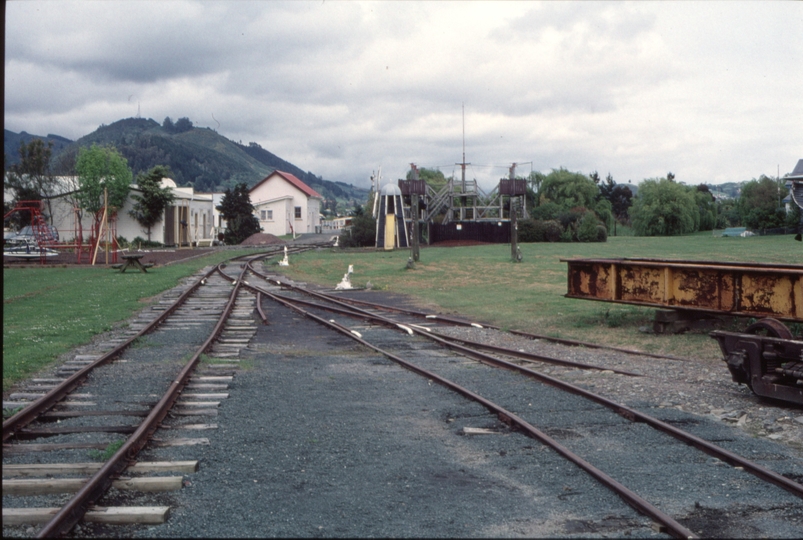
[(769, 327)]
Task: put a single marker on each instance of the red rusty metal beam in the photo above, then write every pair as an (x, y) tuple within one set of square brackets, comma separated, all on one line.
[(741, 289)]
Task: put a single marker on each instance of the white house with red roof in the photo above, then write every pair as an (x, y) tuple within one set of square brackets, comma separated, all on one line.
[(283, 204)]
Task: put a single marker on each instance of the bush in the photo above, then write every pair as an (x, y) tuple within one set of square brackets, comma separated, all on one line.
[(552, 231), (140, 242), (528, 231), (587, 228), (362, 232), (546, 211), (602, 233)]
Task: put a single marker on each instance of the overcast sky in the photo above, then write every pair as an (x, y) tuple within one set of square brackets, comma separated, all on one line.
[(708, 90)]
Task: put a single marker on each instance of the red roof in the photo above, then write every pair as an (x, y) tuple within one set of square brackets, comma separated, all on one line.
[(293, 180)]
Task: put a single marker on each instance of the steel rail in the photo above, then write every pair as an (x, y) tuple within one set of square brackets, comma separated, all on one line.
[(631, 498), (463, 322), (624, 411), (99, 483), (357, 312), (44, 403)]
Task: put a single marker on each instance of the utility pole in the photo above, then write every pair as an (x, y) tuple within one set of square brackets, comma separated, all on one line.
[(414, 253), (514, 228)]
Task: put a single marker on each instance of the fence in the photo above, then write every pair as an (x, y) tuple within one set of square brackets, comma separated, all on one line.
[(496, 232)]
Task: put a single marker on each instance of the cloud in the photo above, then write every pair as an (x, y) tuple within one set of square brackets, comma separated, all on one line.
[(706, 90)]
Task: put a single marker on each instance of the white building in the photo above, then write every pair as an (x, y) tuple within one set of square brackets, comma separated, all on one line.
[(283, 204), (187, 222)]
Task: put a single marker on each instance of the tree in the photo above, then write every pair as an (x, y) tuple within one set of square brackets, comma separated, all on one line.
[(606, 188), (534, 182), (183, 124), (31, 178), (759, 204), (663, 208), (433, 177), (568, 189), (621, 200), (706, 206), (149, 206), (99, 168), (236, 208), (362, 232)]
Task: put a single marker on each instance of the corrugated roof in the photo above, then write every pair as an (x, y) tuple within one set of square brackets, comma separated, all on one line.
[(798, 172), (293, 180)]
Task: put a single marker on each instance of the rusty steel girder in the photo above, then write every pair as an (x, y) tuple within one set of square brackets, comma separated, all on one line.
[(743, 289)]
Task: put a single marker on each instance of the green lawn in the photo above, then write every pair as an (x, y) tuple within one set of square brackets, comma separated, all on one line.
[(47, 311), (483, 283)]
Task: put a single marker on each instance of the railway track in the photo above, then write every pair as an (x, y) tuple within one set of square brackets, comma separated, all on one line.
[(603, 420), (417, 341), (172, 368)]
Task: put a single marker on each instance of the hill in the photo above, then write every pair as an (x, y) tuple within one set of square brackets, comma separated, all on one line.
[(197, 157), (12, 141)]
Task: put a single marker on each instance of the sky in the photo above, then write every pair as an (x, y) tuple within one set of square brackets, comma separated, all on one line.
[(710, 91)]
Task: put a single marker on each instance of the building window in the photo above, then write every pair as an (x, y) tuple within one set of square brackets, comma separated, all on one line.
[(270, 215), (298, 212), (266, 215)]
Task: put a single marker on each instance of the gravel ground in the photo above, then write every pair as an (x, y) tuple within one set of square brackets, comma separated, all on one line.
[(320, 437)]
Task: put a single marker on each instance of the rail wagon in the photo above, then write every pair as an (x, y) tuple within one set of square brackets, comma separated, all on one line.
[(693, 294)]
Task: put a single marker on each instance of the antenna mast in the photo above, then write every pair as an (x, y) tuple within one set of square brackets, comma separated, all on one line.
[(463, 164)]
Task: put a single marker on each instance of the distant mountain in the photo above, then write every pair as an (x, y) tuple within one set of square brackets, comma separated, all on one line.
[(12, 141), (198, 157)]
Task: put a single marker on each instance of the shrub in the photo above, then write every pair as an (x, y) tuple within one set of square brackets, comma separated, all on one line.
[(587, 228), (362, 232), (528, 231), (602, 233), (140, 242), (552, 231), (546, 211)]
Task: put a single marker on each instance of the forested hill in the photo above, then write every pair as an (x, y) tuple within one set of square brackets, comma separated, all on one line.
[(198, 157), (12, 141)]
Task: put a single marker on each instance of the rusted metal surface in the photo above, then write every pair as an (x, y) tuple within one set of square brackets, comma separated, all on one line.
[(743, 289), (771, 365)]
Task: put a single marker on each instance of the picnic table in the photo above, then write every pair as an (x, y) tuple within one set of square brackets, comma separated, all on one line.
[(132, 261)]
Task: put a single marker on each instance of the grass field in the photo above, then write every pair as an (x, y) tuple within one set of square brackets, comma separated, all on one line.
[(482, 282), (48, 311)]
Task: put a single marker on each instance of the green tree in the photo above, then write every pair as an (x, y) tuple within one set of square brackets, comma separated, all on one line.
[(362, 232), (759, 204), (706, 207), (31, 179), (621, 201), (236, 208), (433, 177), (587, 228), (534, 183), (568, 189), (99, 168), (149, 206), (663, 208)]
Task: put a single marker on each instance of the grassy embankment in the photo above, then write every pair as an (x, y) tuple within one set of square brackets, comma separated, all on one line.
[(482, 282), (49, 310)]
